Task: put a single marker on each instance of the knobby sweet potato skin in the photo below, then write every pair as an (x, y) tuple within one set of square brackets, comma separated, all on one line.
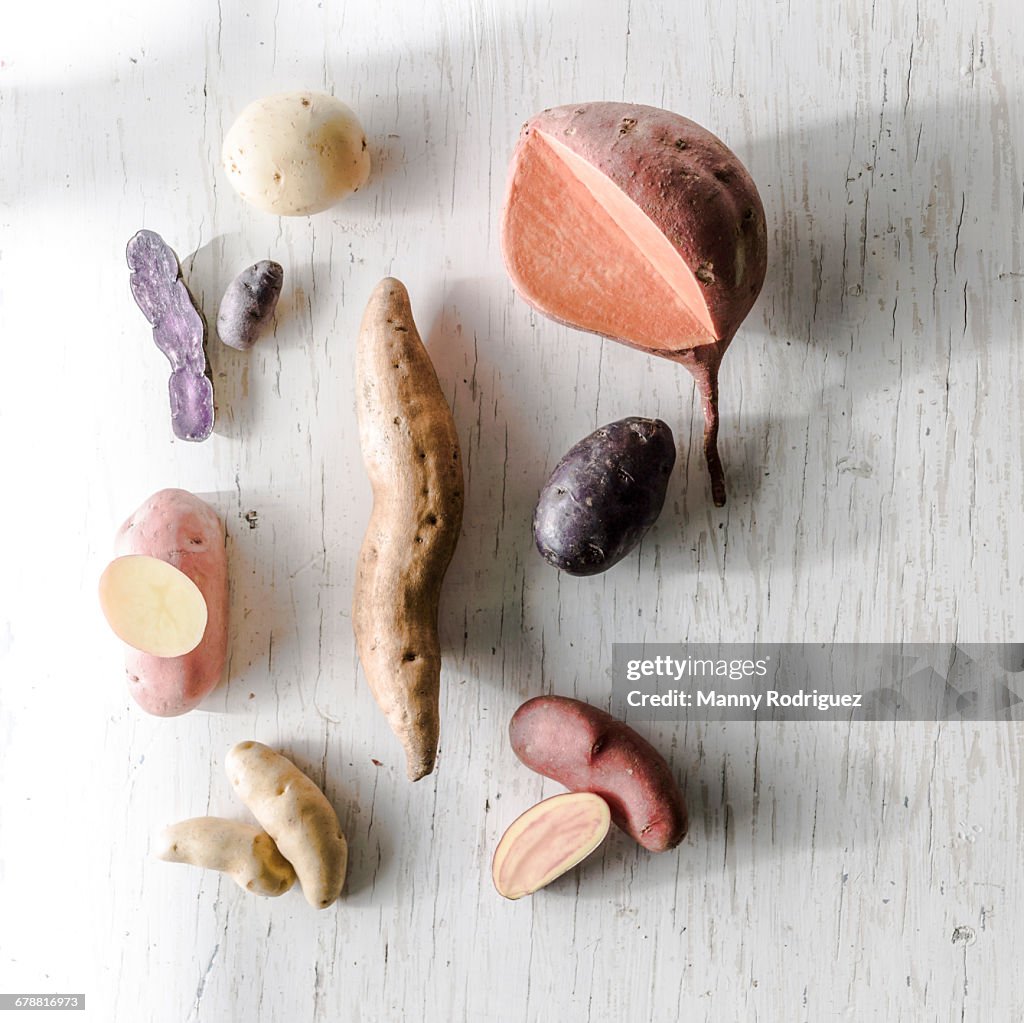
[(186, 532), (587, 750), (411, 451)]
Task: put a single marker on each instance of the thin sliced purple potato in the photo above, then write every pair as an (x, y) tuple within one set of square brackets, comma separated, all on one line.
[(178, 330), (248, 304)]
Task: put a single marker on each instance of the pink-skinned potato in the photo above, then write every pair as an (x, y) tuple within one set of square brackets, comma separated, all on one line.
[(183, 530), (587, 750)]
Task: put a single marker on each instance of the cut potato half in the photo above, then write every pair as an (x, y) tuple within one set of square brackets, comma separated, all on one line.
[(153, 606), (546, 841)]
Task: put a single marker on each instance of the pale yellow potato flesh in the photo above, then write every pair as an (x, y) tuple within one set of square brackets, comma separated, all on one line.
[(153, 606), (547, 840)]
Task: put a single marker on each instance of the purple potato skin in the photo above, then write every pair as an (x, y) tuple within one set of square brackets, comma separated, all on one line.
[(604, 495), (248, 304), (178, 330)]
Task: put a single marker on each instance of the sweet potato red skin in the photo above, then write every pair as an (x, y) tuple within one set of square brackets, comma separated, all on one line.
[(714, 210), (587, 750)]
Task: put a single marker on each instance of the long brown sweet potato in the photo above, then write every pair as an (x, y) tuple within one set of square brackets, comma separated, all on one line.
[(412, 456)]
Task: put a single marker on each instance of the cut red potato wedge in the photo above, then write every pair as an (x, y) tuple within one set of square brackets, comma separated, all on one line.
[(546, 841), (153, 606), (638, 225)]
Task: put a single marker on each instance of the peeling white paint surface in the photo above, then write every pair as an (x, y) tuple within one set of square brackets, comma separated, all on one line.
[(872, 435)]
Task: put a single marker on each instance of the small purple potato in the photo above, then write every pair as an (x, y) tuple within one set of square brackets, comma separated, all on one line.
[(603, 495), (248, 304), (178, 330)]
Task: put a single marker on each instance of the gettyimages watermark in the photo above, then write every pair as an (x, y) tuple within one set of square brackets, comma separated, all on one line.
[(818, 681)]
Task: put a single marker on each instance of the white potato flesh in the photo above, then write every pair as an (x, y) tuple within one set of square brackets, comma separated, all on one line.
[(296, 153), (153, 606)]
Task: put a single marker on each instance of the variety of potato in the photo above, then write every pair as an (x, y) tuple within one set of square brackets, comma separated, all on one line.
[(622, 220), (300, 835)]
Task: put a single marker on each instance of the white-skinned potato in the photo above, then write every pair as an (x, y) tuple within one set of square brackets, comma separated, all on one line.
[(296, 153), (296, 814), (179, 528), (244, 852)]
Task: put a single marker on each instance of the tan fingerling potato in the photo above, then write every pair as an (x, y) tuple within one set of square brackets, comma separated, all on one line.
[(412, 456), (178, 528), (291, 808), (243, 852), (548, 840)]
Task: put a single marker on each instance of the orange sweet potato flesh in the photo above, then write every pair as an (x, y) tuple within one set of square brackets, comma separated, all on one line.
[(639, 225)]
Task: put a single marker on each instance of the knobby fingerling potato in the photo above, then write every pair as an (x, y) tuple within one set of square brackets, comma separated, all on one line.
[(411, 451), (587, 750), (245, 853), (296, 814), (149, 605), (639, 225)]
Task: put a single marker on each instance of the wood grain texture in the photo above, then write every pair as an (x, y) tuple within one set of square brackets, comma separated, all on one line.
[(871, 432)]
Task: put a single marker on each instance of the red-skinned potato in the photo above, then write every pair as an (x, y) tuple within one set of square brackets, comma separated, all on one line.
[(587, 750), (181, 529)]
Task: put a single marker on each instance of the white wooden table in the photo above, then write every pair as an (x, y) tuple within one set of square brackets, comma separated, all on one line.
[(872, 427)]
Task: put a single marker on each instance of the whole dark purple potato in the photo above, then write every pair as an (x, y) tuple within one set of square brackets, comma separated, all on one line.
[(604, 494), (249, 303)]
